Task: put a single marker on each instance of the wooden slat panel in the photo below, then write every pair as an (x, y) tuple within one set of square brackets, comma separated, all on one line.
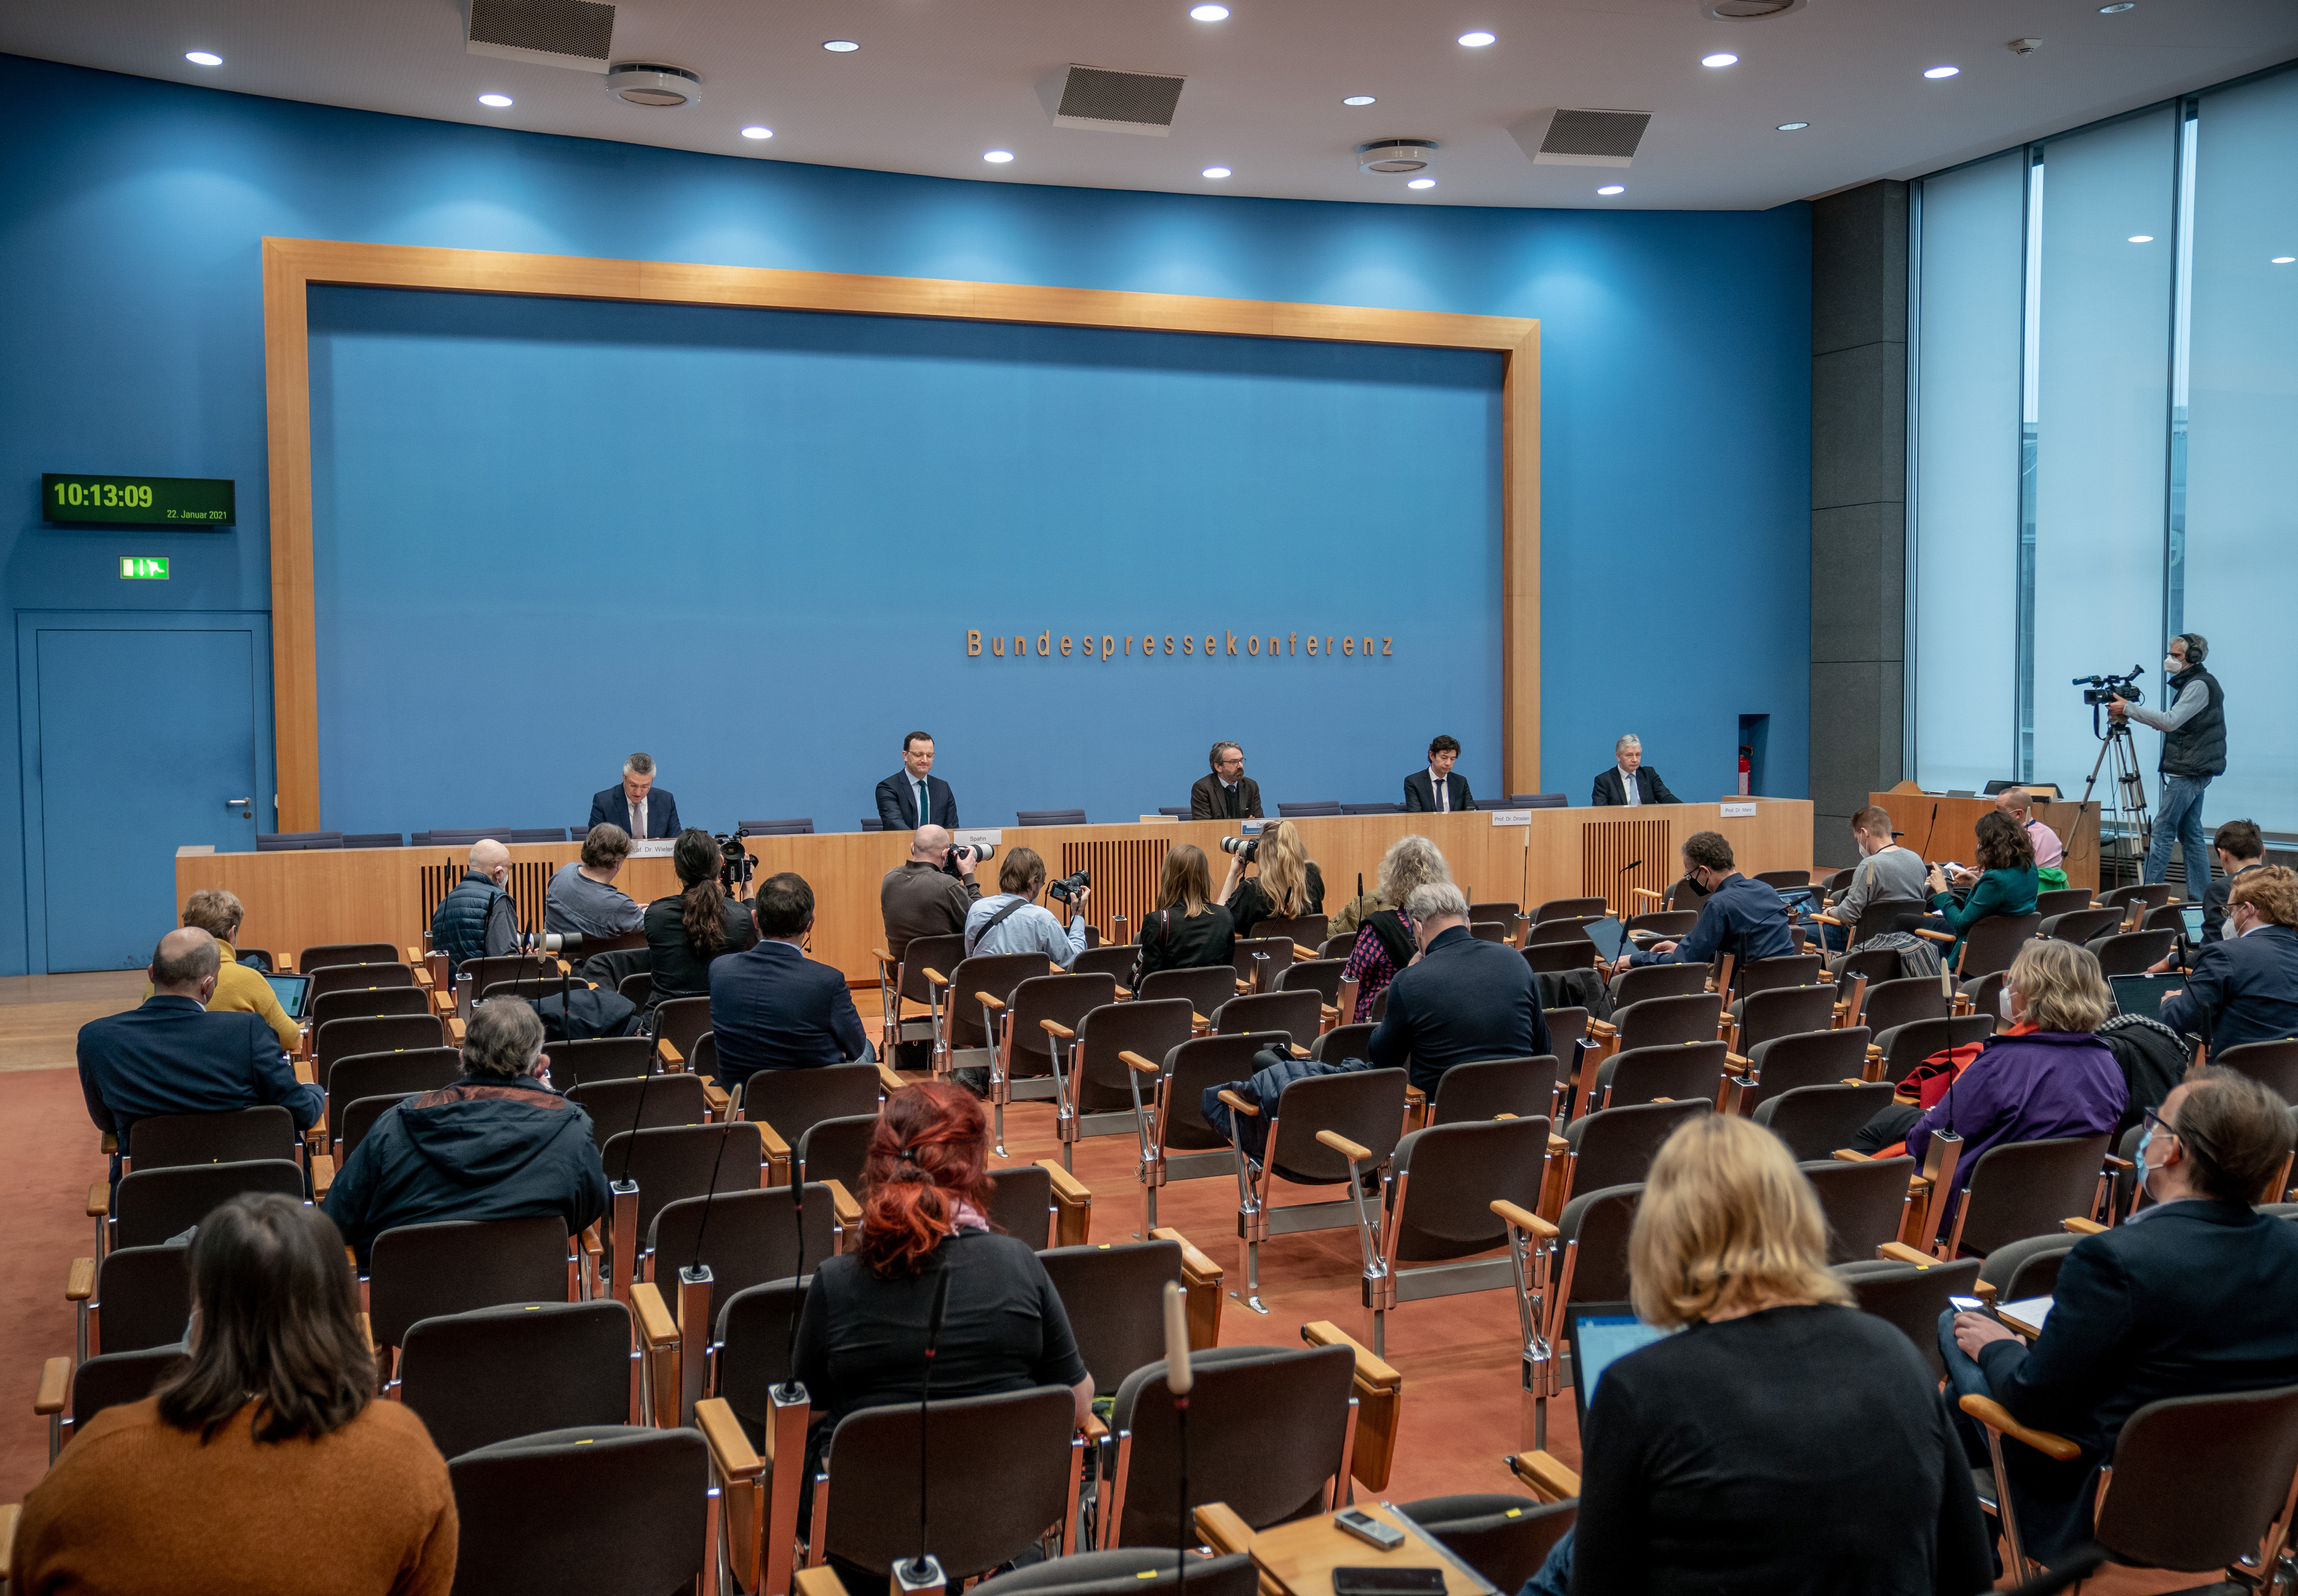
[(1609, 848), (1125, 874)]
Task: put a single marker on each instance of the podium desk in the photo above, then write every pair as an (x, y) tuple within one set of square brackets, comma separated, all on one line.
[(302, 899), (1954, 835)]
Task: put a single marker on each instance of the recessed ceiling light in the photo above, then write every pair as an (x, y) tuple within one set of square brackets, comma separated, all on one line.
[(1722, 58), (1612, 188), (1941, 71), (203, 58), (2282, 259), (841, 46), (2108, 10), (1422, 182), (496, 100), (757, 132), (1479, 40), (1358, 100), (996, 157), (1217, 171), (1210, 13), (1793, 126), (2142, 238)]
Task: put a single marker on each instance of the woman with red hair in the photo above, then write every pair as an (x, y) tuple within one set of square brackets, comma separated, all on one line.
[(925, 1192)]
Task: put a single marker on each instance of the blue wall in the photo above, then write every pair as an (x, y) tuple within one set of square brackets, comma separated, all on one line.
[(1676, 379)]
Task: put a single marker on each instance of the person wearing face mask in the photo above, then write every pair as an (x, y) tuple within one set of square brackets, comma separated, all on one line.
[(1887, 873), (2245, 988), (479, 917), (2194, 1296), (2194, 749), (1742, 918)]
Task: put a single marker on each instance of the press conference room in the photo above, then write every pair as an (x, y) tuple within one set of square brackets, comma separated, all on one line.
[(776, 766)]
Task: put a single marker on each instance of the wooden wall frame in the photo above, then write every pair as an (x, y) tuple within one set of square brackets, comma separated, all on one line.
[(291, 265)]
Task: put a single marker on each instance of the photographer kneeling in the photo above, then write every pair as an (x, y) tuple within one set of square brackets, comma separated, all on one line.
[(2194, 749), (1014, 922), (1289, 885)]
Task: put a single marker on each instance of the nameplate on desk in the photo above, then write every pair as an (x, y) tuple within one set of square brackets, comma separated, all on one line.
[(1738, 811), (1511, 817), (652, 847), (978, 839), (191, 849), (1252, 828)]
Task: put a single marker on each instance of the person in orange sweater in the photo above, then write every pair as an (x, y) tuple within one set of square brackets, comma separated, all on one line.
[(264, 1466)]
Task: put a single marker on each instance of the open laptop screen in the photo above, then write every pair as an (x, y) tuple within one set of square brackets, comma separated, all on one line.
[(1607, 935), (2143, 995), (293, 992), (1600, 1340)]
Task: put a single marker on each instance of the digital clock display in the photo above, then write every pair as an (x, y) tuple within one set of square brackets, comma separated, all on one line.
[(192, 503)]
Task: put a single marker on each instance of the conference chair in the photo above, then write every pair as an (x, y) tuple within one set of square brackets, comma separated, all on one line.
[(729, 1241), (2059, 901), (1815, 1121), (1115, 960), (1786, 1064), (1343, 1042), (776, 829), (1259, 960), (1372, 808), (642, 1103), (1276, 1016), (638, 986), (1509, 913), (1692, 1069), (1041, 1203), (1648, 1023), (1767, 974), (358, 1118), (376, 1033), (1551, 958), (2025, 1269), (1125, 1570), (1527, 1088), (1777, 1011), (135, 1298), (534, 974), (2171, 917), (872, 823), (1570, 929), (108, 1380), (1305, 930), (971, 993), (496, 1374), (1115, 1300), (172, 1141), (296, 842), (753, 1416), (1568, 1039), (2128, 898), (1538, 801), (1892, 1004), (1865, 1205), (1579, 1260), (364, 1076), (1578, 909), (326, 954), (1309, 810), (1613, 1147), (637, 1503), (2195, 1483), (2021, 1188), (1784, 880), (1272, 1435), (451, 1266), (149, 1205), (1504, 1537), (1320, 1129), (1989, 945), (903, 980), (1099, 1084), (1177, 1143), (786, 1103), (1896, 1052), (1430, 1228), (1877, 919), (836, 1150), (600, 1058), (2132, 953), (1050, 817), (333, 978), (1493, 930), (651, 1169), (2276, 1063), (2080, 925), (1658, 980), (1910, 1294), (1338, 946), (1206, 988), (1662, 924), (374, 839), (1985, 995), (679, 1023), (371, 1002), (1026, 1028), (539, 833)]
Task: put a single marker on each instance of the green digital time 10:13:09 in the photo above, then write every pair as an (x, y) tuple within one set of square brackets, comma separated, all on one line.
[(95, 499), (104, 496)]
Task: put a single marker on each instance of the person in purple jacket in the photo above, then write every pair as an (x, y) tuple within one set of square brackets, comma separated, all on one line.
[(2047, 1075)]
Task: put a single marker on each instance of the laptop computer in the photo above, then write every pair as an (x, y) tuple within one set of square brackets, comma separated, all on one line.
[(1601, 1337), (1607, 934), (295, 994), (2143, 995), (2191, 914)]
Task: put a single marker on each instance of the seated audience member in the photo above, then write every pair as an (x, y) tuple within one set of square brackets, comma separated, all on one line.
[(238, 989), (1289, 884), (2046, 1074), (1188, 930), (1438, 790), (1886, 873), (1385, 942), (919, 898), (1782, 1440), (1013, 921), (273, 1418), (636, 804), (1742, 918), (478, 918), (498, 1144), (172, 1056), (1627, 781), (2005, 884), (2244, 987), (1461, 1000), (2241, 849), (2018, 804), (775, 1009), (1228, 794), (2194, 1296), (582, 898), (686, 933)]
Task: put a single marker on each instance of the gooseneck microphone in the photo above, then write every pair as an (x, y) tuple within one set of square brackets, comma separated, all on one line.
[(922, 1570), (1178, 1378)]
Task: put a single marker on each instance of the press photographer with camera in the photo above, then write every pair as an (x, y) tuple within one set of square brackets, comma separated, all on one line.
[(685, 933), (1289, 884), (1013, 921), (919, 898), (2194, 749)]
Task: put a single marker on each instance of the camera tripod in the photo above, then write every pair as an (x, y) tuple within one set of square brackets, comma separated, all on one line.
[(2126, 805)]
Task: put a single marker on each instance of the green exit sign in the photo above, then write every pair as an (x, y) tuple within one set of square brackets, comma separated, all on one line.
[(141, 569)]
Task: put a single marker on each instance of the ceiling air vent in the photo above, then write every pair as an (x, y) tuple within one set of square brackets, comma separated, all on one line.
[(556, 33), (1581, 137), (1747, 10), (649, 83), (1112, 101), (1396, 155)]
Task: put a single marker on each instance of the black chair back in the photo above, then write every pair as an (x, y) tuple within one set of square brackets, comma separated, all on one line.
[(924, 953), (1367, 1106), (1591, 1239), (330, 979), (1523, 1087), (1343, 1042), (996, 974), (1783, 880), (1614, 1147), (1815, 1121), (1190, 1069), (1304, 930), (2198, 1479), (2079, 924), (1261, 959), (989, 1514), (114, 1379), (1811, 1059), (420, 1272), (1890, 1004), (1993, 943), (1318, 976), (1128, 1569), (677, 1162), (152, 1204), (795, 1101), (600, 1059), (334, 953), (1571, 908), (752, 1357), (1049, 817), (1065, 999), (1556, 958), (1206, 989), (1447, 1178), (1646, 981), (639, 1501), (2276, 1063), (776, 829), (376, 1033), (647, 1103), (1296, 1015), (2030, 1268), (1115, 1299), (1910, 1044), (538, 972), (1115, 961), (370, 1000), (837, 1149), (1571, 930), (143, 1298), (171, 1140), (2133, 951), (1150, 1027), (1692, 1069), (1503, 1537), (1911, 1296), (1862, 1202), (1668, 1022), (296, 842), (493, 1374), (747, 1238), (2021, 1188), (638, 986), (1786, 1011), (379, 1074), (2060, 900), (359, 1117), (1021, 1203), (1767, 974)]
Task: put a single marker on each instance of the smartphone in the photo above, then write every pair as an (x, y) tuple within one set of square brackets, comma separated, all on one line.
[(1966, 1305), (1388, 1582), (1372, 1531)]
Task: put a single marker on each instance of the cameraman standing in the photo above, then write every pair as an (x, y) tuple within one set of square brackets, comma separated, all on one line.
[(2194, 749)]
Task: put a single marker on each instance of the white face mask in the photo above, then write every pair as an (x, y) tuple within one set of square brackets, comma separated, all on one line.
[(2003, 1002), (2172, 664)]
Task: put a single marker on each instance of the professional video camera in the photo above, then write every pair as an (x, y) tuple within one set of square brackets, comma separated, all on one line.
[(1245, 848), (1069, 889), (734, 874), (2100, 689)]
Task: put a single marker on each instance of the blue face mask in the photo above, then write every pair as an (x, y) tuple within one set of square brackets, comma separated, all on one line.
[(2145, 1140)]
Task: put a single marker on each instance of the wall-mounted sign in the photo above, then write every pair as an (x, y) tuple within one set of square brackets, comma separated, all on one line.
[(143, 568), (199, 504), (1222, 645)]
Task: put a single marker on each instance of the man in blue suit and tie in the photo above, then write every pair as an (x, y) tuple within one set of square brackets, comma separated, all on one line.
[(1439, 790), (773, 1008), (637, 805), (172, 1056), (915, 797)]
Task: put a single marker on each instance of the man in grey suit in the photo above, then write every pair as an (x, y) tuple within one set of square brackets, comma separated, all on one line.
[(1628, 782), (640, 808)]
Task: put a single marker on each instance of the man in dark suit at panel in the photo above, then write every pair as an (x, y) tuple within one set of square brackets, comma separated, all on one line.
[(172, 1056), (1228, 794), (1460, 1000), (901, 795), (2194, 1296), (1438, 790), (1627, 781), (773, 1008), (637, 805)]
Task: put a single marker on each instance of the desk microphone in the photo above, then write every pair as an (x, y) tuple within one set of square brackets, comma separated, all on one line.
[(923, 1571), (788, 1390), (1179, 1379)]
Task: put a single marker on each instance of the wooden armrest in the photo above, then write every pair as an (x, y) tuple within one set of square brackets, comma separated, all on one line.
[(936, 978), (9, 1517), (1134, 1061), (1847, 1155), (2081, 1227), (592, 1242), (80, 1280), (774, 1149), (414, 958), (1984, 1291), (2114, 1163), (1827, 919), (1899, 1252), (1557, 1144), (322, 1175), (1930, 935), (1996, 1417), (109, 1144), (882, 957), (890, 1080), (421, 971), (456, 1029), (1237, 1104), (1299, 1052), (1602, 1030), (1219, 1527), (1346, 1148), (1303, 954), (1093, 1431), (1327, 1013), (715, 1098), (1056, 1028), (1371, 1370), (669, 1052), (820, 1580), (1193, 1262), (1124, 990), (730, 1452), (1645, 891), (1523, 1219), (1414, 1097), (658, 1331), (1734, 1065), (987, 1001), (1197, 1019), (1546, 1475), (304, 1076), (843, 1205), (1874, 1053), (1065, 1184), (99, 1200), (55, 1383)]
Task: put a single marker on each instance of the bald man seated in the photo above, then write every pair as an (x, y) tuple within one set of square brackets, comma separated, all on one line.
[(478, 918), (920, 898)]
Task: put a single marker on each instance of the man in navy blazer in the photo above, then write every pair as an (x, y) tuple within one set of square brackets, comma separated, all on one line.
[(1628, 765), (2244, 987), (1438, 789), (897, 794), (638, 806), (775, 1009), (172, 1056), (2193, 1296), (1460, 1000)]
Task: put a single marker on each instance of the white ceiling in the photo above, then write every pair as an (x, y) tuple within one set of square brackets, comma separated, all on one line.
[(936, 82)]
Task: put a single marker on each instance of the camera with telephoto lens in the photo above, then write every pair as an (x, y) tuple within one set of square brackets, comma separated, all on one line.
[(981, 851), (2102, 689), (734, 873), (569, 942), (1245, 848), (1069, 889)]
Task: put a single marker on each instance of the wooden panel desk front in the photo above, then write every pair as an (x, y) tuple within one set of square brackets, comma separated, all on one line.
[(1954, 835), (301, 900)]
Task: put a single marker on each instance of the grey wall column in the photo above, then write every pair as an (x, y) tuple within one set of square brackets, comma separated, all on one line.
[(1858, 505)]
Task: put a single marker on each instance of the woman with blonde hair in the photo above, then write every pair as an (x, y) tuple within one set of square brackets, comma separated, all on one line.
[(1385, 941), (1188, 930), (1782, 1440), (1289, 884)]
